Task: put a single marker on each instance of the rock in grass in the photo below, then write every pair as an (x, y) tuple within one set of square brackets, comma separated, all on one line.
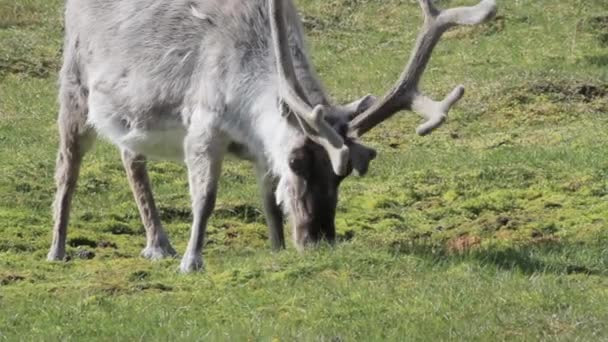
[(84, 254)]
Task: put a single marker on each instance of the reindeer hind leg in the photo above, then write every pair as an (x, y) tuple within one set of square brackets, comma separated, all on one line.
[(75, 139), (157, 245)]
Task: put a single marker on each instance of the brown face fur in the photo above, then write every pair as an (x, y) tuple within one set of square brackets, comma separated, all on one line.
[(313, 195), (313, 186)]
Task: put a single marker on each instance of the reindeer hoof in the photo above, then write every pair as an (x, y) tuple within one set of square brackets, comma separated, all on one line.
[(191, 264), (155, 253), (55, 255)]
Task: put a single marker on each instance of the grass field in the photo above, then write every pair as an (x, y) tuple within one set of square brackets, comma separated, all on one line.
[(493, 228)]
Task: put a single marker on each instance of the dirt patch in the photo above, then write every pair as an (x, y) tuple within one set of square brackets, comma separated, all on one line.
[(463, 244)]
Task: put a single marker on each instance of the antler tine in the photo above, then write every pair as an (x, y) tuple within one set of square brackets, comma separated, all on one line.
[(433, 111), (294, 96), (428, 9), (405, 95)]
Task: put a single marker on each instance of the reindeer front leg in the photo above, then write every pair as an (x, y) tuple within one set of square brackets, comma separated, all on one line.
[(204, 149), (272, 211)]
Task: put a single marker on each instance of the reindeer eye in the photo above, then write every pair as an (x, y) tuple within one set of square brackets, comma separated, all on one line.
[(298, 162), (296, 165)]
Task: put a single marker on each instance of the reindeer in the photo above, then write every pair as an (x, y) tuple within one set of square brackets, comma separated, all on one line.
[(192, 80)]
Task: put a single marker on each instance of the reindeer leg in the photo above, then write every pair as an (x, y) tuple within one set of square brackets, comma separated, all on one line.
[(272, 211), (204, 150), (75, 139), (157, 242)]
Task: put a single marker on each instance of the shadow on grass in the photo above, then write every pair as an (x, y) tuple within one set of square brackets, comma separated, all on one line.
[(531, 258)]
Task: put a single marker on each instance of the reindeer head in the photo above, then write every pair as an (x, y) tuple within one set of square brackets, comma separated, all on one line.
[(331, 151), (309, 193)]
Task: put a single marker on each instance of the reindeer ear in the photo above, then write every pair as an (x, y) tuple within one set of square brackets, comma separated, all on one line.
[(360, 157)]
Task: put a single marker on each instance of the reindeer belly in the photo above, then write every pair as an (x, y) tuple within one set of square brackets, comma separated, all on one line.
[(164, 144), (163, 139)]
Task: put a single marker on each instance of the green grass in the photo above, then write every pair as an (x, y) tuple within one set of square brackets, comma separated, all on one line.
[(493, 228)]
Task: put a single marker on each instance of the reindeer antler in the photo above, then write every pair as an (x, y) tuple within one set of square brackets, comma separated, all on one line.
[(405, 94), (312, 120)]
